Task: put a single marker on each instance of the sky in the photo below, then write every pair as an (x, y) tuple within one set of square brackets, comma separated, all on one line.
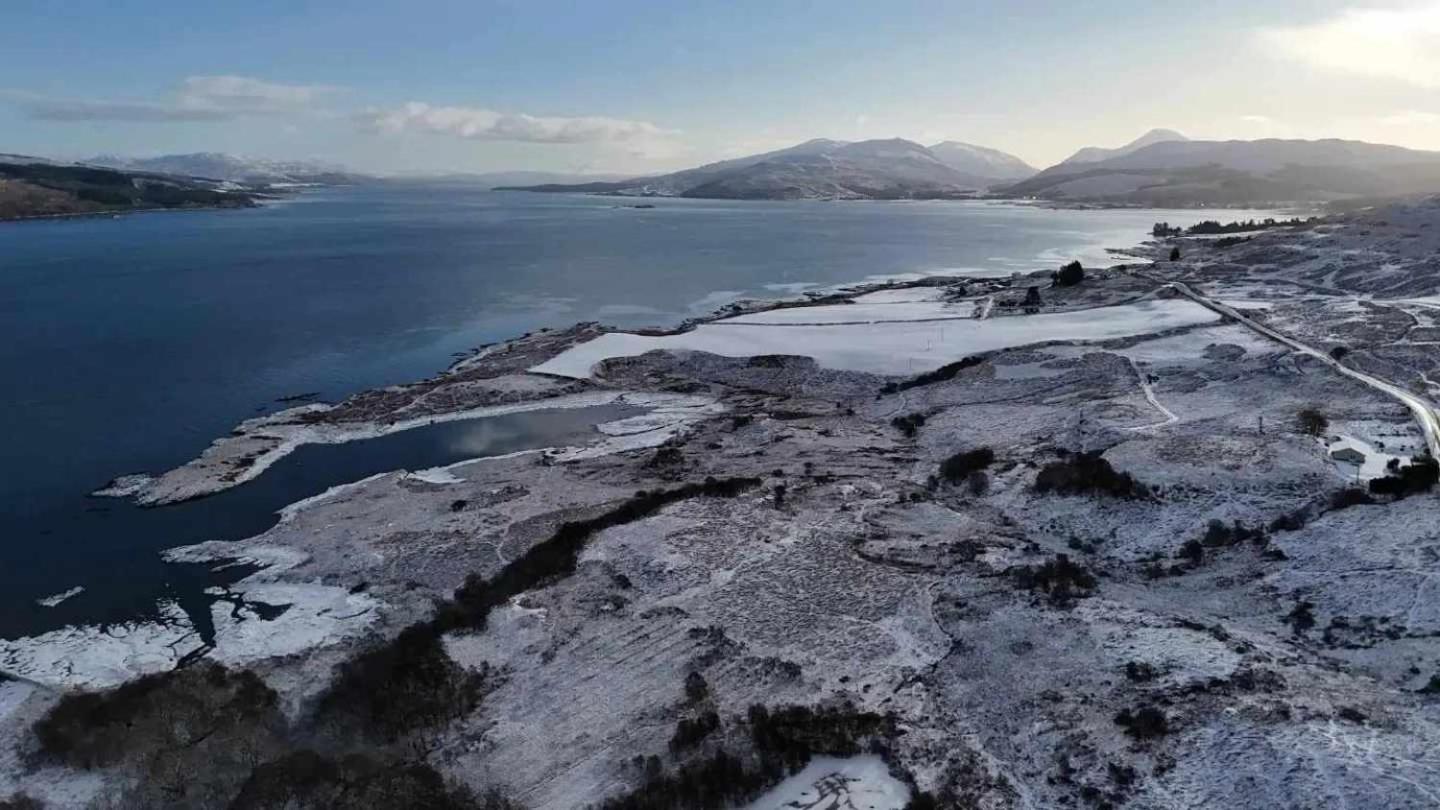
[(629, 86)]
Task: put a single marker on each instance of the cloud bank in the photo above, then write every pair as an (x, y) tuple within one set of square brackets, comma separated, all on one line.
[(481, 124), (1401, 44), (199, 98)]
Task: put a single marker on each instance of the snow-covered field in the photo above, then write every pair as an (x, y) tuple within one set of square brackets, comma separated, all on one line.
[(906, 346)]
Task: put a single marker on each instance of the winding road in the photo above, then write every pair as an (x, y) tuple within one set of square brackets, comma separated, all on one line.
[(1425, 412)]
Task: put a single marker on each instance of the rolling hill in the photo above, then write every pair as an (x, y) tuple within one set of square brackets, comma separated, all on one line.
[(47, 189), (1239, 172), (233, 168), (826, 169)]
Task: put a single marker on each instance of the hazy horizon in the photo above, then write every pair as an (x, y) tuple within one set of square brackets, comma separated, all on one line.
[(440, 86)]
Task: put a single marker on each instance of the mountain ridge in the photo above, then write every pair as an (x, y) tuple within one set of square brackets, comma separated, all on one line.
[(1095, 154), (821, 168), (1236, 171)]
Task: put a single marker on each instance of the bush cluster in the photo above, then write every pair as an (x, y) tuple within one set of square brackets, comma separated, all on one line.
[(306, 780), (1146, 722), (960, 466), (1420, 475), (945, 372), (1070, 275), (1060, 579), (1086, 473), (909, 424), (690, 732), (783, 741)]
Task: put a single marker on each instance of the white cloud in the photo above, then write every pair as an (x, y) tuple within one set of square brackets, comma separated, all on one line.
[(1398, 43), (244, 95), (482, 124), (199, 98), (43, 108), (1410, 118)]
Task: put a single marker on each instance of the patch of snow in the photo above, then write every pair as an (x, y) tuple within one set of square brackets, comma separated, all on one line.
[(1375, 459), (835, 783), (55, 599), (669, 414), (124, 486), (902, 295), (99, 657), (313, 615), (905, 347), (436, 475)]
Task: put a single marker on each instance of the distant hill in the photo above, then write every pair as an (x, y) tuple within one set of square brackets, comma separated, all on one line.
[(982, 162), (30, 189), (235, 169), (826, 169), (1239, 172), (1095, 154), (505, 179)]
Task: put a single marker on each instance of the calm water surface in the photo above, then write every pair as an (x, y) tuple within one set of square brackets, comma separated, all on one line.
[(128, 344)]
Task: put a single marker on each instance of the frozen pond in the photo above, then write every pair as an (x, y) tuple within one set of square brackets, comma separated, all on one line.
[(900, 347)]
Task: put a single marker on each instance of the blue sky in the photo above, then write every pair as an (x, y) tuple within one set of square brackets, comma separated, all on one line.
[(640, 86)]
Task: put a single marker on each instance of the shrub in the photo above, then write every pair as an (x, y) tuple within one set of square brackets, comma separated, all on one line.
[(1312, 422), (1192, 551), (1070, 275), (1059, 578), (1082, 473), (1139, 671), (1217, 534), (1348, 497), (1420, 475), (945, 372), (689, 733), (1144, 723), (909, 424), (978, 483), (959, 466), (20, 801), (1175, 254), (1301, 617), (696, 689)]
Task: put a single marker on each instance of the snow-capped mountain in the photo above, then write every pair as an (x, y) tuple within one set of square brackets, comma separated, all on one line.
[(1095, 154)]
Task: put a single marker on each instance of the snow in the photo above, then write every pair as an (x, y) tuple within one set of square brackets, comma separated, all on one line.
[(1375, 459), (99, 657), (124, 486), (833, 783), (901, 295), (903, 347), (441, 476), (669, 414), (315, 616), (55, 599)]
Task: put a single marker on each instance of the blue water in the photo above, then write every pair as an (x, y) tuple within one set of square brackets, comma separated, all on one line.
[(128, 344)]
